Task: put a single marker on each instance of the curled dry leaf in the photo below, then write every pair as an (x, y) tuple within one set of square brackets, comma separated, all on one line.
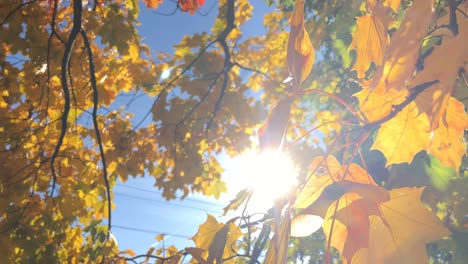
[(300, 54)]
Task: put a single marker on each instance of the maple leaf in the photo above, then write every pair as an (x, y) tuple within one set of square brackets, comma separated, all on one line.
[(271, 134), (400, 138), (327, 171), (319, 193), (447, 141), (400, 233), (370, 39), (212, 237), (190, 5), (443, 66), (324, 172), (300, 56), (378, 103), (152, 3), (351, 227), (403, 51)]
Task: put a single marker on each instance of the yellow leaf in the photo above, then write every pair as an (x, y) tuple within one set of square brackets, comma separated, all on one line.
[(210, 231), (400, 234), (443, 64), (329, 171), (400, 138), (279, 244), (370, 40), (377, 103), (304, 225), (403, 52)]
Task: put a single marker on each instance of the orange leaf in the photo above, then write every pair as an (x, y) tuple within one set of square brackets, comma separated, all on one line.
[(352, 226), (152, 3), (447, 141), (403, 52), (377, 103), (300, 55), (370, 40), (443, 64), (271, 134), (190, 5)]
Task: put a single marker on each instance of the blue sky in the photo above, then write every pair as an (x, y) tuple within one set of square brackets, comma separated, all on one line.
[(140, 212)]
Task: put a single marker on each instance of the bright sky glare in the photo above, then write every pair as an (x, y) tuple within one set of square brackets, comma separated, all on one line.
[(270, 174)]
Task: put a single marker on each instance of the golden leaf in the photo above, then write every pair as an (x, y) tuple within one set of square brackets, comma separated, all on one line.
[(400, 234), (300, 54), (403, 52), (400, 138), (370, 40), (447, 141), (443, 64)]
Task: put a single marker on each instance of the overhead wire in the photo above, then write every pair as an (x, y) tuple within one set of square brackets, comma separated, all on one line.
[(166, 203), (159, 192), (149, 231)]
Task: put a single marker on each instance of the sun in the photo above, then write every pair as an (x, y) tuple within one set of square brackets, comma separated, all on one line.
[(268, 174)]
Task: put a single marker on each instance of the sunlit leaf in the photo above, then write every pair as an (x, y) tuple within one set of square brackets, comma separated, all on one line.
[(277, 252), (370, 40), (300, 50), (403, 136), (400, 234), (403, 51)]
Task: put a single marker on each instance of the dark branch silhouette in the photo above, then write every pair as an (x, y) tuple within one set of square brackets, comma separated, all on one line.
[(92, 75), (77, 13)]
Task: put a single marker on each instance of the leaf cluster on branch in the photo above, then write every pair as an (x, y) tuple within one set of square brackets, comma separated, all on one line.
[(368, 97)]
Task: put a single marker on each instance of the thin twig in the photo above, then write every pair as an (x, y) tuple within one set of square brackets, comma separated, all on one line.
[(14, 10)]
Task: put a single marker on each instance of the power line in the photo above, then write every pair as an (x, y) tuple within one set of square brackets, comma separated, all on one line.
[(149, 231), (158, 192), (166, 203)]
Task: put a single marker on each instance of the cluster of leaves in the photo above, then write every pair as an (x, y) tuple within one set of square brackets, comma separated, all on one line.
[(61, 62)]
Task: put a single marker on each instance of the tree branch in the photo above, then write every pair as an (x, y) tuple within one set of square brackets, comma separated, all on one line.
[(230, 25), (92, 75), (14, 10), (77, 12), (418, 89)]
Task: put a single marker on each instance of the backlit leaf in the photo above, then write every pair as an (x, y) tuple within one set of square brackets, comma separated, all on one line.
[(402, 54), (400, 234), (400, 138), (370, 40), (444, 67), (277, 252), (300, 54), (447, 142)]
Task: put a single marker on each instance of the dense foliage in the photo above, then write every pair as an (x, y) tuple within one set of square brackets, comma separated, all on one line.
[(368, 97)]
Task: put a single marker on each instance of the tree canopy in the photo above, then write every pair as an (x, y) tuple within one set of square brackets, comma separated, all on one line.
[(368, 98)]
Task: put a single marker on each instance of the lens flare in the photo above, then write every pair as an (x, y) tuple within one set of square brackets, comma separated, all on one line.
[(269, 174)]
